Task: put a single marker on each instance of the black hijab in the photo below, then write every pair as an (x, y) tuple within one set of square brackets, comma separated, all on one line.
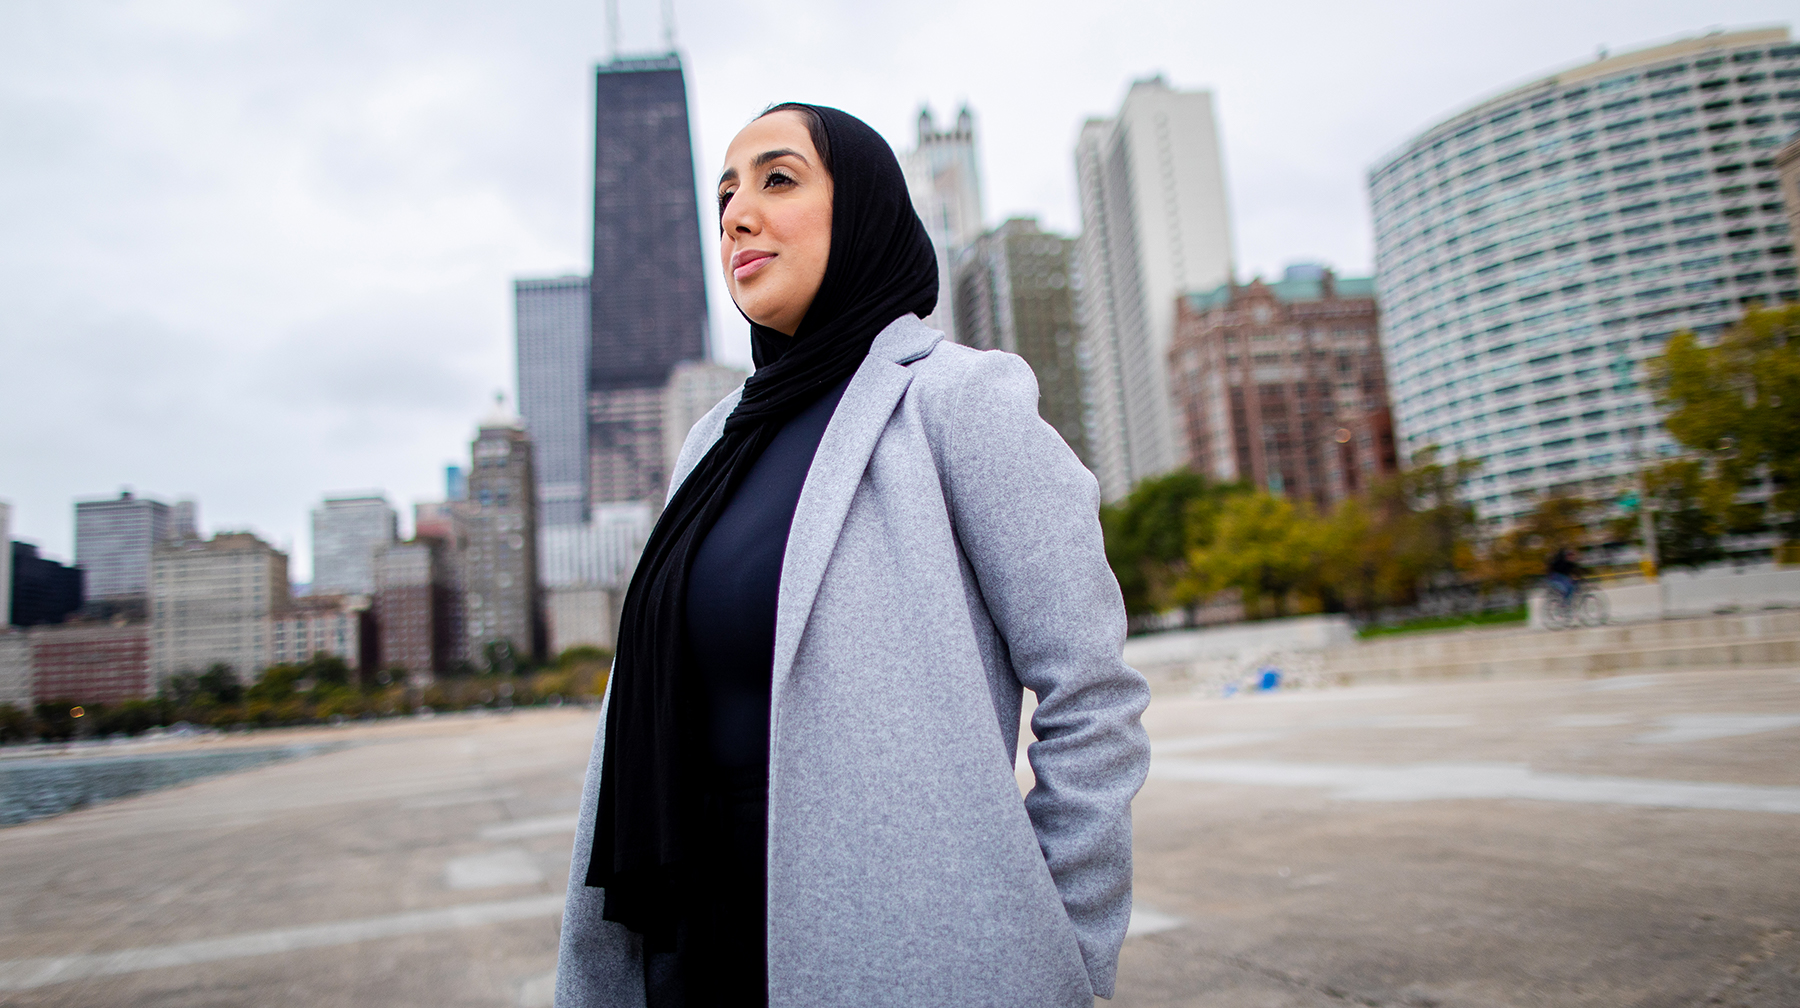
[(881, 267)]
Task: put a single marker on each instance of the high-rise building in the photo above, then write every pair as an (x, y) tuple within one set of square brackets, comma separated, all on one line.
[(1015, 291), (113, 540), (694, 388), (648, 288), (346, 532), (1281, 385), (1154, 226), (42, 590), (1534, 251), (184, 520), (414, 594), (6, 574), (585, 571), (499, 574), (443, 521), (649, 285), (944, 178), (626, 445), (1787, 167), (552, 345), (91, 661), (456, 483), (213, 601)]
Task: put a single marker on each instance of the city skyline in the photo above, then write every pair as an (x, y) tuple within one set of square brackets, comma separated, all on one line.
[(260, 331)]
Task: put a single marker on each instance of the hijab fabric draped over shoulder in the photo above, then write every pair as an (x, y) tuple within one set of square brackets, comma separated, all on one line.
[(881, 266)]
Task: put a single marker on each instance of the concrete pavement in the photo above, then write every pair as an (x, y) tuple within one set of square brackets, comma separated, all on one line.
[(1623, 841)]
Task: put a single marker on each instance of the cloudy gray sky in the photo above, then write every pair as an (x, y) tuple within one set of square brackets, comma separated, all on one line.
[(253, 252)]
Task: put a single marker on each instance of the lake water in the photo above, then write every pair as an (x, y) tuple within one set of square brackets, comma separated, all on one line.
[(35, 788)]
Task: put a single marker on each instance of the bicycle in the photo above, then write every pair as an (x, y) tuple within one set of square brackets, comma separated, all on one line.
[(1583, 607)]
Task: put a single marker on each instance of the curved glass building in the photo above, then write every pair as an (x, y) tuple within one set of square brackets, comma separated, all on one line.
[(1533, 251)]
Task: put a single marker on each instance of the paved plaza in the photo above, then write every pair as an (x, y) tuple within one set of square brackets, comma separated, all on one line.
[(1620, 841)]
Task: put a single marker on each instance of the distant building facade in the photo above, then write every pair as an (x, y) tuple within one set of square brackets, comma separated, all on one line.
[(42, 591), (1281, 385), (694, 388), (1787, 170), (1154, 226), (1016, 290), (6, 574), (341, 626), (213, 601), (113, 540), (1536, 250), (345, 533), (648, 288), (943, 176), (15, 668), (585, 571), (501, 601), (414, 594), (91, 662), (552, 343)]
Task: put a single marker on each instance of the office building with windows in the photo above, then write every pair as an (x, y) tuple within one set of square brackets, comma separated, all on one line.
[(551, 317), (499, 563), (41, 590), (648, 287), (1281, 385), (213, 601), (944, 180), (1016, 289), (694, 388), (1537, 249), (1154, 226), (346, 531), (113, 540)]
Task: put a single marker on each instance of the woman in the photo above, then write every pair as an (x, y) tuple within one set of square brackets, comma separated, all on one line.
[(802, 792)]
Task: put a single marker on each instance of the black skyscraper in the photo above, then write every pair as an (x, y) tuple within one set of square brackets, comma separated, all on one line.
[(43, 591), (649, 288)]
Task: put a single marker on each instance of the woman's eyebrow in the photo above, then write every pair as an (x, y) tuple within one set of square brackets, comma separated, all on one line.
[(731, 174)]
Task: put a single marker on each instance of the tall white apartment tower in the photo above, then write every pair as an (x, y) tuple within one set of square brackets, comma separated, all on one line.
[(945, 183), (1534, 251), (1154, 226), (346, 531)]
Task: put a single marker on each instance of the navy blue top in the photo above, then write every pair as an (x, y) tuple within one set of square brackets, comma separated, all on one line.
[(732, 589)]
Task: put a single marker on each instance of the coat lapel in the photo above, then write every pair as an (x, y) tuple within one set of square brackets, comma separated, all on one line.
[(837, 469)]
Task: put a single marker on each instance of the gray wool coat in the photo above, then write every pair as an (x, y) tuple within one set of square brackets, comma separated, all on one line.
[(945, 553)]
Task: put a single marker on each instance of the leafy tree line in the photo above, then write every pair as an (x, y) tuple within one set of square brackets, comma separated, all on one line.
[(1182, 540), (321, 690)]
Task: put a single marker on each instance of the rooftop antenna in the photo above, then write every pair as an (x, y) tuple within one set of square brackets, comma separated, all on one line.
[(612, 30), (668, 18)]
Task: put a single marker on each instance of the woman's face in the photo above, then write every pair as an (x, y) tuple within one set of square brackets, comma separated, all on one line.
[(774, 220)]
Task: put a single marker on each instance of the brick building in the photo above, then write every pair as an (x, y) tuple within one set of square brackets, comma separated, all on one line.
[(414, 596), (338, 625), (90, 662), (1281, 385)]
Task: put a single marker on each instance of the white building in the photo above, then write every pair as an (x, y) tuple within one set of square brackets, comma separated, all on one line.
[(6, 573), (1535, 250), (333, 624), (345, 532), (212, 601), (694, 388), (944, 178), (585, 570), (1154, 226), (15, 668)]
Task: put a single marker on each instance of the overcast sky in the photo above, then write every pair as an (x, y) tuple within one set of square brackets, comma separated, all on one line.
[(255, 252)]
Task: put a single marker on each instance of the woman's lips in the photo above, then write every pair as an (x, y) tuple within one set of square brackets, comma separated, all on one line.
[(748, 262)]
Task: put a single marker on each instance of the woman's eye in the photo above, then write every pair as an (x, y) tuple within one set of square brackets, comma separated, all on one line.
[(724, 198), (777, 178)]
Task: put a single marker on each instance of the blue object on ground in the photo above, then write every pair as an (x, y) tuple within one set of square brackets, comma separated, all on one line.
[(1270, 679)]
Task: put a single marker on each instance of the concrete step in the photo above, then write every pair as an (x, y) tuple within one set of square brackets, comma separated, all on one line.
[(1343, 666), (1519, 642)]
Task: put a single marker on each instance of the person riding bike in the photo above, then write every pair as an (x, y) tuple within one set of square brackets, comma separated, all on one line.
[(1563, 573)]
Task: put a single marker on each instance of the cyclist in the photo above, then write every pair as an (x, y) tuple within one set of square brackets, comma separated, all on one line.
[(1563, 573)]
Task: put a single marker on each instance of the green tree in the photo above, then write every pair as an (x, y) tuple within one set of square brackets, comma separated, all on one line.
[(1150, 533), (1738, 404), (1690, 518), (17, 724), (220, 682), (1267, 547), (1516, 557)]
